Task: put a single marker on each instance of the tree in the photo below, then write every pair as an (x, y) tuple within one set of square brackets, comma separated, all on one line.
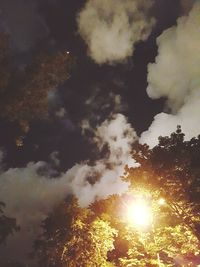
[(73, 236), (48, 248), (24, 92), (166, 236), (89, 244), (172, 168), (7, 225), (170, 171), (164, 240), (170, 244), (29, 99)]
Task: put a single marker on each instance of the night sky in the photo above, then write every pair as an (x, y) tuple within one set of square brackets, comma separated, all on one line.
[(96, 91), (129, 79)]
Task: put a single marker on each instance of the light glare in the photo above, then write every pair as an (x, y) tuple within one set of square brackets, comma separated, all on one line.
[(139, 213), (161, 201)]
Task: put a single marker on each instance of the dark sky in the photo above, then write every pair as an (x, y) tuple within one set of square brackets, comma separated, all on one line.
[(127, 79)]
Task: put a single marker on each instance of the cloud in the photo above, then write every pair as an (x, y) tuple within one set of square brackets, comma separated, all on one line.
[(97, 107), (118, 136), (1, 156), (54, 158), (23, 22), (176, 76), (111, 28), (61, 113), (29, 197), (30, 193)]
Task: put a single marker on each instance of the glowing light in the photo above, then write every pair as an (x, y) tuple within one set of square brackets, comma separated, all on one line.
[(139, 213), (161, 201)]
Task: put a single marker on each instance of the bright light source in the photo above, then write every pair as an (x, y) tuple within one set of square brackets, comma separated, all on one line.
[(139, 213), (161, 201)]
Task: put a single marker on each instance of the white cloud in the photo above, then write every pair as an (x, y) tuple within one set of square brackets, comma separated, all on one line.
[(111, 28), (30, 193), (118, 135), (176, 76)]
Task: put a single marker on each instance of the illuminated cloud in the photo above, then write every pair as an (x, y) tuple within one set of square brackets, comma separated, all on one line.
[(118, 136), (30, 193), (111, 28), (175, 75), (97, 107)]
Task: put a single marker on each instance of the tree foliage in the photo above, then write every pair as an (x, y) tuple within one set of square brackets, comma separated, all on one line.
[(74, 237), (29, 99), (161, 245), (171, 171), (24, 91), (89, 244)]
